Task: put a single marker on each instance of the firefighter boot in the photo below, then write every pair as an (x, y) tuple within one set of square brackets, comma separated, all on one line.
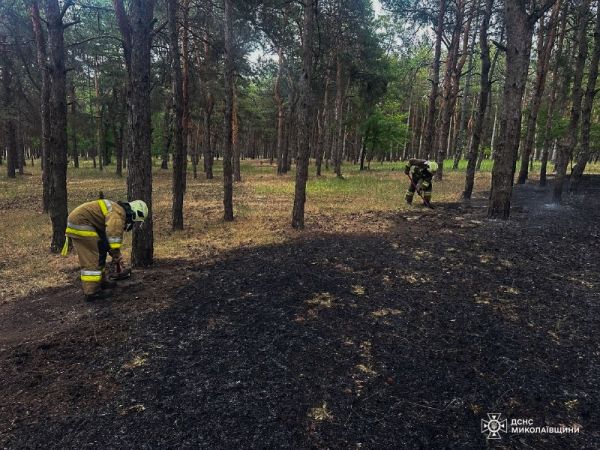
[(100, 295), (106, 282)]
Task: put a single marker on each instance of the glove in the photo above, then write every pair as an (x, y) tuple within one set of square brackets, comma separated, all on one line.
[(406, 170)]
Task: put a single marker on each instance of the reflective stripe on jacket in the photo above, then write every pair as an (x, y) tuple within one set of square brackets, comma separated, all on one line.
[(92, 219)]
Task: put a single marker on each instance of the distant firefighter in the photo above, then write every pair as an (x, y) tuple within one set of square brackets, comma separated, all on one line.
[(421, 174), (96, 229)]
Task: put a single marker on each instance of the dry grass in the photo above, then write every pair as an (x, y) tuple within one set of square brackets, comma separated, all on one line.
[(263, 203)]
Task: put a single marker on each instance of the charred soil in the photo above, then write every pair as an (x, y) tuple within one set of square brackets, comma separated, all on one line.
[(403, 331)]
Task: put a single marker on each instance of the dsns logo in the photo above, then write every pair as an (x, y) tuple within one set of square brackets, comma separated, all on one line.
[(493, 426)]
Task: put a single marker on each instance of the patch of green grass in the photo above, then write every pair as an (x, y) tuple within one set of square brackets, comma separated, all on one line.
[(352, 183), (286, 188), (250, 167)]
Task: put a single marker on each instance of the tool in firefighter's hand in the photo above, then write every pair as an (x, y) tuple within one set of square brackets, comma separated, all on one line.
[(418, 191), (120, 272)]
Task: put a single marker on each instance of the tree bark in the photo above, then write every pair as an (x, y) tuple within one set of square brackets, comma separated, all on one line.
[(291, 128), (569, 142), (462, 123), (100, 143), (74, 149), (545, 44), (9, 111), (339, 116), (428, 136), (519, 33), (281, 165), (185, 84), (137, 33), (323, 125), (57, 144), (167, 136), (179, 150), (558, 61), (20, 145), (42, 59), (207, 143), (228, 133), (485, 87), (118, 132), (586, 112), (235, 137), (305, 109), (208, 101), (451, 82)]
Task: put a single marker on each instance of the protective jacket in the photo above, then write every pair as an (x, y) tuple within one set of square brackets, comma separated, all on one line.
[(417, 168), (421, 179), (97, 220)]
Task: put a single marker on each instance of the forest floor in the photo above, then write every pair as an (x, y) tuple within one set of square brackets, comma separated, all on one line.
[(380, 326)]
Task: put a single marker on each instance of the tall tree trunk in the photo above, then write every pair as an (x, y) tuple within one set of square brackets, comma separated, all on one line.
[(42, 58), (281, 164), (485, 87), (118, 132), (409, 126), (305, 110), (167, 136), (339, 116), (235, 137), (137, 33), (363, 149), (545, 44), (74, 149), (57, 145), (179, 153), (126, 139), (228, 133), (519, 33), (9, 112), (100, 146), (558, 61), (195, 148), (586, 112), (185, 86), (291, 130), (490, 125), (207, 143), (323, 124), (569, 142), (428, 136), (20, 144), (454, 66), (462, 123), (208, 103)]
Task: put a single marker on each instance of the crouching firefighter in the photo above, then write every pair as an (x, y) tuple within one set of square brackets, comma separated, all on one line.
[(96, 229), (421, 174)]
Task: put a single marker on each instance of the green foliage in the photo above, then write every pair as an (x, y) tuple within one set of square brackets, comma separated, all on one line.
[(158, 132), (384, 130)]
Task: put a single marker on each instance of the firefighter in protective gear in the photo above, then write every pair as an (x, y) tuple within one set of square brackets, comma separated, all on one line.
[(421, 173), (96, 229)]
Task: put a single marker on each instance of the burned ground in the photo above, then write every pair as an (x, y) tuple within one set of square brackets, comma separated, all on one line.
[(402, 337)]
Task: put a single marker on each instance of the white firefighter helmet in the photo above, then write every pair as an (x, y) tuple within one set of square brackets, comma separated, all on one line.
[(139, 210), (432, 166)]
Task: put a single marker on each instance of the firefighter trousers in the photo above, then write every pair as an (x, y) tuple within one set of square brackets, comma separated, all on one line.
[(424, 186), (92, 259)]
